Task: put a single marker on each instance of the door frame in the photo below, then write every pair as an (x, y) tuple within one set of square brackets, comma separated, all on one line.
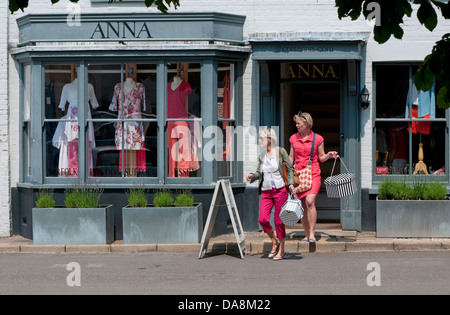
[(350, 144)]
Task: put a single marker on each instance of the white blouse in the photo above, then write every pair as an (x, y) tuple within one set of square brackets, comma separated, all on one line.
[(272, 176)]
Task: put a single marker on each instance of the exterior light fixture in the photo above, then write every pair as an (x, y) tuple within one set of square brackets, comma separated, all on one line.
[(364, 97)]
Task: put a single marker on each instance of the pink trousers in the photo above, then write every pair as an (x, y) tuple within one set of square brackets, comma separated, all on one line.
[(270, 198)]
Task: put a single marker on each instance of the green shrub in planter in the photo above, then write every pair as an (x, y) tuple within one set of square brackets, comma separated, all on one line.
[(435, 191), (392, 190), (45, 199), (82, 197), (163, 198), (136, 197), (422, 190), (184, 199)]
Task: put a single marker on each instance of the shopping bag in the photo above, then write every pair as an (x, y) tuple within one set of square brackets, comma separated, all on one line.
[(305, 179), (291, 212), (305, 175), (340, 185)]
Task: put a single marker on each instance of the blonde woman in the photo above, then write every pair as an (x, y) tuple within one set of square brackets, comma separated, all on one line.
[(299, 155), (273, 190)]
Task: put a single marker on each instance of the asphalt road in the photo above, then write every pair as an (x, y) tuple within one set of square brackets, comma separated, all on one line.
[(184, 274)]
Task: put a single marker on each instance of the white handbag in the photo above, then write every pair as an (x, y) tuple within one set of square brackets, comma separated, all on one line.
[(340, 185), (291, 212)]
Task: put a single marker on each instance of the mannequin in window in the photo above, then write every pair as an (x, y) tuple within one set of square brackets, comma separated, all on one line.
[(179, 135), (66, 134), (131, 138)]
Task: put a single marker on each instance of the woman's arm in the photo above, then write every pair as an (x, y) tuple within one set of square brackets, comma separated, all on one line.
[(323, 157)]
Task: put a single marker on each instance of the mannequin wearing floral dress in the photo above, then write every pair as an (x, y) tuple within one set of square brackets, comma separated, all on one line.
[(129, 136)]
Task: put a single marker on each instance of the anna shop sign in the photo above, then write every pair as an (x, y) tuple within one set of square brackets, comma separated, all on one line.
[(310, 71), (121, 30), (210, 26)]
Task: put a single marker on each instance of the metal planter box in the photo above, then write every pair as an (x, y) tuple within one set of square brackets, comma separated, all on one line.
[(166, 225), (73, 226), (413, 218)]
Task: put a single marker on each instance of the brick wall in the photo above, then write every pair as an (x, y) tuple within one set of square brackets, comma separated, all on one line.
[(4, 138)]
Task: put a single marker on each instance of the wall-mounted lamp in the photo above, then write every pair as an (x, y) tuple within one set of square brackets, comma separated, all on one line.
[(364, 97)]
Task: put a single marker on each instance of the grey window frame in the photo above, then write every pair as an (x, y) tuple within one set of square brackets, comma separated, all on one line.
[(209, 66), (378, 178)]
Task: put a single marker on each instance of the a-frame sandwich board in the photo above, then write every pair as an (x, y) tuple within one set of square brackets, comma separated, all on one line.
[(223, 187)]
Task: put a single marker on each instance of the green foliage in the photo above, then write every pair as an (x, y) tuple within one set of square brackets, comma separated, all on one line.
[(422, 190), (136, 197), (82, 197), (392, 14), (436, 67), (435, 191), (45, 199), (184, 199), (162, 5), (390, 189), (163, 198)]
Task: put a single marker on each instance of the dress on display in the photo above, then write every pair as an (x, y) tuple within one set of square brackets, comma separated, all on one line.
[(66, 134), (129, 106), (179, 160), (421, 104)]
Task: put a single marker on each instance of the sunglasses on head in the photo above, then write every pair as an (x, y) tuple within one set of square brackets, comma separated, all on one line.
[(299, 114)]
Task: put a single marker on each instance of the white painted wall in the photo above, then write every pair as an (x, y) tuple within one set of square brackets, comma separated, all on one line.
[(5, 216)]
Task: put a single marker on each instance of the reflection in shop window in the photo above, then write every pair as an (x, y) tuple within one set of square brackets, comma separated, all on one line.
[(410, 130)]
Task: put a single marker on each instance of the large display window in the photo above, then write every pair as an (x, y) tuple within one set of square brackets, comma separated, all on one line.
[(411, 132), (110, 122)]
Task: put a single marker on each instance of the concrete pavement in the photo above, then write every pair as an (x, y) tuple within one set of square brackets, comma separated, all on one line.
[(329, 239)]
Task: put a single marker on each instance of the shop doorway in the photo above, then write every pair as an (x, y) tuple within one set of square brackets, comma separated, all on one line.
[(322, 101)]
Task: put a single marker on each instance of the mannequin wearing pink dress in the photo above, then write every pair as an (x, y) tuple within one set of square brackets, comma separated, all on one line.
[(178, 138)]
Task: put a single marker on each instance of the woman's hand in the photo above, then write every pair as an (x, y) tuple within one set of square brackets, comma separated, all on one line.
[(292, 191), (250, 177), (333, 154)]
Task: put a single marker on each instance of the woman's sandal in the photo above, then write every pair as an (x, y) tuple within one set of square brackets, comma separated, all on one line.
[(271, 255)]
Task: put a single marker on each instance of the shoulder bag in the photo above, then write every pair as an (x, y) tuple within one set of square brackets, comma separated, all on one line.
[(305, 175)]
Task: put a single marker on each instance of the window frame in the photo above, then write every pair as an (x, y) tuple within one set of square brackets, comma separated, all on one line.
[(378, 178), (38, 176)]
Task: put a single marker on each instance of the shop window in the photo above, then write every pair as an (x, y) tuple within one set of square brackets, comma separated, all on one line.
[(120, 119), (104, 122), (125, 121), (184, 123), (60, 120), (225, 117), (26, 118), (410, 130)]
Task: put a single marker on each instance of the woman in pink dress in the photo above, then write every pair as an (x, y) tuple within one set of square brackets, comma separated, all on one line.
[(299, 154)]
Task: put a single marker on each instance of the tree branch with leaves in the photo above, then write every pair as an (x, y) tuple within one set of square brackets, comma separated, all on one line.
[(436, 66)]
